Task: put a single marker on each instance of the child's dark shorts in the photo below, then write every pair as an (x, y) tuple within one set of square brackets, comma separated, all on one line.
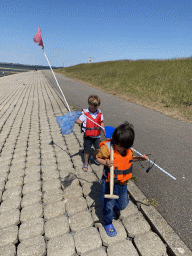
[(89, 141)]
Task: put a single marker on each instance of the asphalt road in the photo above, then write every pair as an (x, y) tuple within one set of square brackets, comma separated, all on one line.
[(168, 140)]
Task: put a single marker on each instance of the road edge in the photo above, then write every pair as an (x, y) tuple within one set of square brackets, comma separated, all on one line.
[(175, 246)]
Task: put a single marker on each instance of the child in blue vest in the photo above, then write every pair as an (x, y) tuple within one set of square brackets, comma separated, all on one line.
[(122, 138), (92, 132)]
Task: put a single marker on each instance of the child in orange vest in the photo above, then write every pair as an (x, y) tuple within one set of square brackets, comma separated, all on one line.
[(122, 139), (92, 132)]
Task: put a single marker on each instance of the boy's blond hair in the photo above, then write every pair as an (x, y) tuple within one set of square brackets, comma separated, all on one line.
[(94, 100)]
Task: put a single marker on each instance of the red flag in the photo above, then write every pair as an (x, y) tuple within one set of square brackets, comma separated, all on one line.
[(38, 38)]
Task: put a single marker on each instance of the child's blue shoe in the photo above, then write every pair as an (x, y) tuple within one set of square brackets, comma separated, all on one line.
[(110, 230), (85, 167)]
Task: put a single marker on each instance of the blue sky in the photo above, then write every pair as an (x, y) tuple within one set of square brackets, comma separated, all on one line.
[(105, 30)]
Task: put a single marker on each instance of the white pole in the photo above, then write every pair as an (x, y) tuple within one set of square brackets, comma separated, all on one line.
[(57, 82), (156, 166), (95, 123)]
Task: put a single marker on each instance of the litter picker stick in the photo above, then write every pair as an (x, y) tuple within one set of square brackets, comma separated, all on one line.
[(111, 196), (156, 165), (57, 82)]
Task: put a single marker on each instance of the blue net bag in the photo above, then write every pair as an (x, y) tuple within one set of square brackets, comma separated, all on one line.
[(67, 122)]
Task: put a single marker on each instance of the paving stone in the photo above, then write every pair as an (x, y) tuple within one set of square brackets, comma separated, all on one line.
[(51, 185), (136, 192), (80, 221), (77, 158), (8, 236), (80, 171), (19, 161), (136, 225), (31, 198), (54, 209), (131, 209), (50, 175), (72, 191), (53, 196), (33, 177), (12, 192), (31, 229), (12, 203), (2, 185), (33, 151), (64, 161), (31, 247), (8, 250), (66, 183), (14, 183), (97, 215), (124, 248), (49, 166), (69, 174), (87, 239), (4, 169), (65, 165), (91, 188), (150, 244), (87, 177), (5, 162), (62, 154), (31, 187), (97, 252), (21, 153), (32, 161), (121, 234), (93, 200), (47, 155), (3, 177), (18, 165), (46, 152), (9, 218), (16, 173), (77, 163), (56, 227), (31, 212), (75, 205), (32, 169), (60, 246)]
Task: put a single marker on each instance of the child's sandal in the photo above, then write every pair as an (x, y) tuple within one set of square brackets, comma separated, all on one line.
[(110, 230), (85, 167)]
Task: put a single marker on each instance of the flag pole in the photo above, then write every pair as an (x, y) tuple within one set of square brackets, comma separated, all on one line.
[(57, 82)]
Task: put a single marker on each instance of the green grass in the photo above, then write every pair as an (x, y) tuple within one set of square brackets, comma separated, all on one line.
[(165, 86), (153, 202)]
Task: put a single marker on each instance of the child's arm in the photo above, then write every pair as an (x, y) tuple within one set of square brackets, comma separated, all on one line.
[(102, 124), (106, 162), (140, 158), (78, 121), (103, 156)]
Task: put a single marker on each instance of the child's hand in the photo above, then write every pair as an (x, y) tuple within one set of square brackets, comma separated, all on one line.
[(109, 163), (143, 158), (140, 158)]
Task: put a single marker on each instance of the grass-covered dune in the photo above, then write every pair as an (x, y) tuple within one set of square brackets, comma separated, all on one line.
[(165, 85)]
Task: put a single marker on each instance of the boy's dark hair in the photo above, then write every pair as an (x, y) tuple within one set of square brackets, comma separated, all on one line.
[(124, 135)]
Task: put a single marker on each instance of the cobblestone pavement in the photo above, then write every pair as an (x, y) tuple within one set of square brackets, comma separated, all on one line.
[(48, 205)]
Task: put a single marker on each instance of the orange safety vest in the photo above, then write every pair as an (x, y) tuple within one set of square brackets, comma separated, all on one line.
[(122, 164), (91, 128)]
